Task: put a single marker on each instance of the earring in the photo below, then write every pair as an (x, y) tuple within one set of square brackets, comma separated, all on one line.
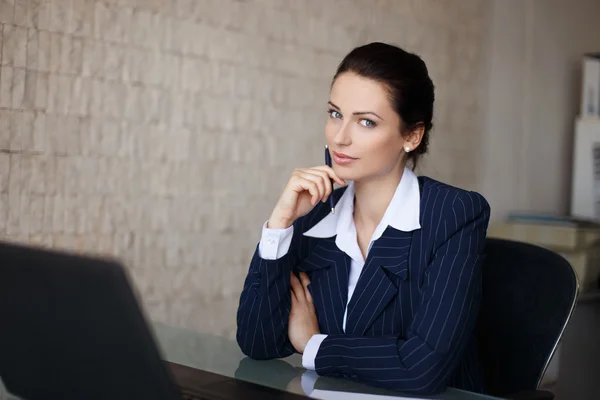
[(407, 149)]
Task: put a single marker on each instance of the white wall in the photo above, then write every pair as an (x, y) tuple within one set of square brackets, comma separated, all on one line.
[(532, 99), (162, 132)]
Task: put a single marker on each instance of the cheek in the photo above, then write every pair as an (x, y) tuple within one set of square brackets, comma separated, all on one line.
[(333, 125), (380, 147), (382, 151)]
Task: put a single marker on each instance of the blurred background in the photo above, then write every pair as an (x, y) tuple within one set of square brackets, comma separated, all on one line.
[(162, 131)]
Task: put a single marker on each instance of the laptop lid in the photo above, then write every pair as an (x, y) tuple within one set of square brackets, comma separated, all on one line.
[(71, 328)]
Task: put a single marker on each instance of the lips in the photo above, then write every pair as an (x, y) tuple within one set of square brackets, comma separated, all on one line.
[(343, 159)]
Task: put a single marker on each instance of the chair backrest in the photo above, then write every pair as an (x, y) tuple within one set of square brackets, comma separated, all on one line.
[(529, 294)]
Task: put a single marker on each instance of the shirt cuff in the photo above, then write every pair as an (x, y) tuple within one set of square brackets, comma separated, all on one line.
[(275, 243), (310, 351)]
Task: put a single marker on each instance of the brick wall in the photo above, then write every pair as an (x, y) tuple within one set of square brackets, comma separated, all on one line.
[(163, 131)]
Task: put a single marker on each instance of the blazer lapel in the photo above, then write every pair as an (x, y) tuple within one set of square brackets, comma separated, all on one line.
[(386, 265), (328, 268)]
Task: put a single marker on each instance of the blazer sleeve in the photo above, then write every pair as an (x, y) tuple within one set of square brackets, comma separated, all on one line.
[(265, 301), (443, 324)]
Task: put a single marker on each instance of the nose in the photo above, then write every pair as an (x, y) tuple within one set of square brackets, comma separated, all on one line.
[(342, 136)]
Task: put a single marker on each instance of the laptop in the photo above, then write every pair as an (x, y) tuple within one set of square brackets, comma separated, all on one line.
[(71, 328)]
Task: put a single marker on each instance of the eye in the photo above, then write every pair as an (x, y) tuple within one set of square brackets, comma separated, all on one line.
[(334, 114), (367, 123)]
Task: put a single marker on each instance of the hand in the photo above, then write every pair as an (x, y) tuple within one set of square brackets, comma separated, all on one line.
[(303, 322), (303, 191)]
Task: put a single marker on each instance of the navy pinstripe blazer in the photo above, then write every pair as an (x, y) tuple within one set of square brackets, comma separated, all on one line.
[(410, 323)]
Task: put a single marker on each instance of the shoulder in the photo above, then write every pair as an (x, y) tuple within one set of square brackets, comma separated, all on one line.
[(444, 198), (446, 209)]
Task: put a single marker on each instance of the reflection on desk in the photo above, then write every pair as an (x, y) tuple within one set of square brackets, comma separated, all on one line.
[(223, 356), (5, 394)]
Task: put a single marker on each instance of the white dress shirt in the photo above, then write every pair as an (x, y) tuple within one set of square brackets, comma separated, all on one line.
[(402, 214)]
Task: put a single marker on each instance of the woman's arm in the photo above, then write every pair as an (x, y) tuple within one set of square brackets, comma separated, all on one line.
[(265, 301), (443, 324), (264, 308), (262, 316)]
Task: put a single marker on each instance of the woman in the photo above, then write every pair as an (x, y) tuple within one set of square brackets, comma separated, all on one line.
[(386, 289)]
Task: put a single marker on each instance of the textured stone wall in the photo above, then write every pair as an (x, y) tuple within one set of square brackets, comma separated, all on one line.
[(162, 132)]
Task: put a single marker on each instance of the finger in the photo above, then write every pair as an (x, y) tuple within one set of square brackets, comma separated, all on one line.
[(300, 184), (319, 180), (324, 180), (305, 282), (331, 173), (310, 186), (297, 288), (328, 173)]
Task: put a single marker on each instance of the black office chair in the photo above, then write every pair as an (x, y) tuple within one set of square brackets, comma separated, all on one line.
[(529, 294)]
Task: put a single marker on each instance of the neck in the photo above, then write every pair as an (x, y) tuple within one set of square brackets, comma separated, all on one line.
[(370, 208)]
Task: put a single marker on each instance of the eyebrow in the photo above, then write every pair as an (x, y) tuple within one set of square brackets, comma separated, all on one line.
[(356, 112)]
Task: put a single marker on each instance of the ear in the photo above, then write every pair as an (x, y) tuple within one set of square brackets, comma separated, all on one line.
[(413, 137)]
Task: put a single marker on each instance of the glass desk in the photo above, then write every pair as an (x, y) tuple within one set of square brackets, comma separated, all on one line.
[(223, 356)]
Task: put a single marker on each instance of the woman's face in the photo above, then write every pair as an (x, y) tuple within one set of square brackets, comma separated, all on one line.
[(363, 131)]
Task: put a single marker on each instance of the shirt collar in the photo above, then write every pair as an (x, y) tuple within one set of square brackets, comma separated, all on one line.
[(402, 212)]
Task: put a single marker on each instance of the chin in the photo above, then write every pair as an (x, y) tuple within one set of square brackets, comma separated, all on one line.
[(347, 174)]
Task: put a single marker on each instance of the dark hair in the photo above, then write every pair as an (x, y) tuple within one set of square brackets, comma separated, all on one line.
[(407, 81)]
